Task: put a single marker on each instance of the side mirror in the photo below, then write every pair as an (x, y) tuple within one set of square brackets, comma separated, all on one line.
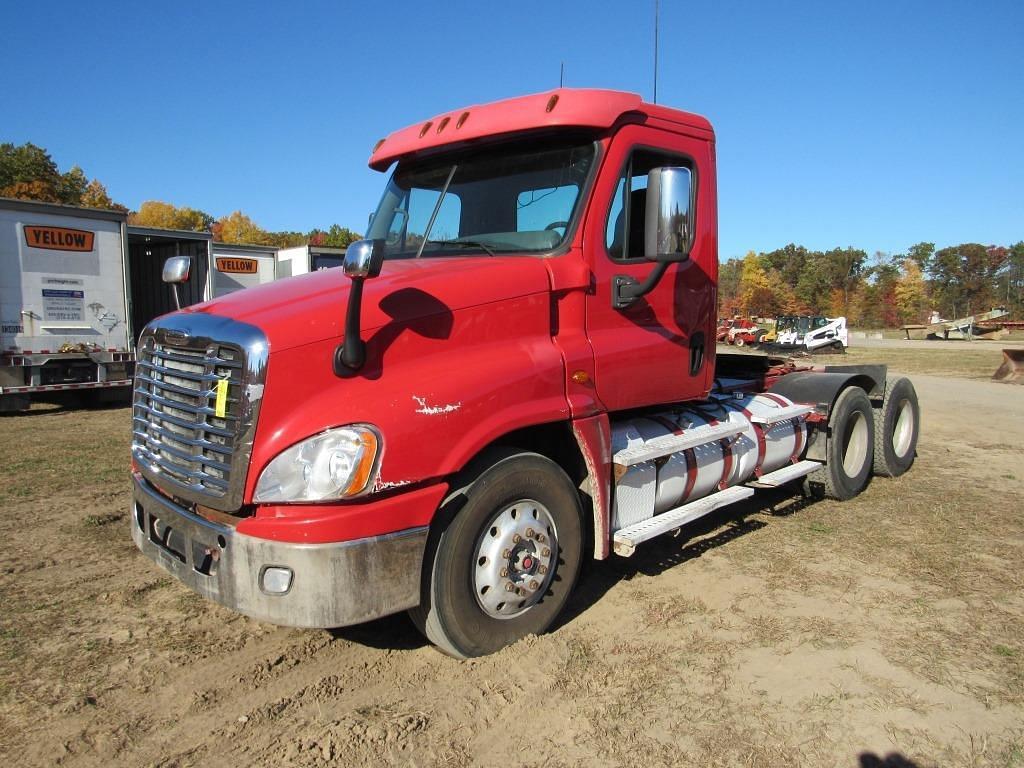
[(176, 272), (176, 269), (363, 259), (669, 216), (669, 219)]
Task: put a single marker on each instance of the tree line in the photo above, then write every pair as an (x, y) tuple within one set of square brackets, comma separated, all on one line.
[(27, 172), (885, 290)]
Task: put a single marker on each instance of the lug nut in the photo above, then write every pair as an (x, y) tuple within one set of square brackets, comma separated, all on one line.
[(506, 553), (516, 539), (503, 573), (540, 538), (545, 552), (534, 584), (529, 533), (509, 587), (543, 569)]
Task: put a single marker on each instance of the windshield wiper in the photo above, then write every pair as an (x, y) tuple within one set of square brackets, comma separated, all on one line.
[(467, 243)]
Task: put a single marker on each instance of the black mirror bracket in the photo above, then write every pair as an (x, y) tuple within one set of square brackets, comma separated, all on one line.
[(363, 259), (626, 289), (351, 353)]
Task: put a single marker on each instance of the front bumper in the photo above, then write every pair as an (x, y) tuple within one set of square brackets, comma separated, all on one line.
[(332, 585)]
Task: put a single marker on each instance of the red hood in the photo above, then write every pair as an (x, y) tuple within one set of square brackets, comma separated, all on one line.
[(310, 308)]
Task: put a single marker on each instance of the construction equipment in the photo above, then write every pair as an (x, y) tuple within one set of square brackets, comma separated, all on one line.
[(961, 328), (815, 334), (1012, 369)]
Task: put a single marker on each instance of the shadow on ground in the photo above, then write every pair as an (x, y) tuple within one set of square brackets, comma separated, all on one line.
[(652, 558)]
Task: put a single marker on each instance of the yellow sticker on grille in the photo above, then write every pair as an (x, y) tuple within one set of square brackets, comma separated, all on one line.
[(221, 406)]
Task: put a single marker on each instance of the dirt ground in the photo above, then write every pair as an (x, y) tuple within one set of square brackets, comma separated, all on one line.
[(882, 631)]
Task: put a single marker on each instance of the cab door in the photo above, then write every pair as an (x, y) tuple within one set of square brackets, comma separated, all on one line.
[(658, 349)]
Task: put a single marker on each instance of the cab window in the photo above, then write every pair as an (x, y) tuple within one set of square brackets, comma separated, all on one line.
[(624, 232)]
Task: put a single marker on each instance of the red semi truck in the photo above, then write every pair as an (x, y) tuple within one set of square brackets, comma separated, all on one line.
[(516, 370)]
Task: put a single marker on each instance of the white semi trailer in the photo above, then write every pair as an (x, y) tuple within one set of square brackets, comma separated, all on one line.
[(301, 259), (78, 284), (63, 309)]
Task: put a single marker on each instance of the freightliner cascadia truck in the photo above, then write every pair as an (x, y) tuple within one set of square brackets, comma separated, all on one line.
[(514, 371)]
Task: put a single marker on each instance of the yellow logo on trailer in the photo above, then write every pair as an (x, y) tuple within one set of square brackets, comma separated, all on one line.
[(59, 238), (237, 266)]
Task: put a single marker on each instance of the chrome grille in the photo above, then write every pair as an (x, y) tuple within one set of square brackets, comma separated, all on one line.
[(179, 441)]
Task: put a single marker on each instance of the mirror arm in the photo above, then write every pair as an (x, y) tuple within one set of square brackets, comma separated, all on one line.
[(351, 353), (626, 289)]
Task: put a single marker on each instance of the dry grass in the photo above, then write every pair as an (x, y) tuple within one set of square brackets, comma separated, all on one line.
[(931, 358)]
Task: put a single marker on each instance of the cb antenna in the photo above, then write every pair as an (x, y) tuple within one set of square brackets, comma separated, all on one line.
[(561, 74), (656, 51)]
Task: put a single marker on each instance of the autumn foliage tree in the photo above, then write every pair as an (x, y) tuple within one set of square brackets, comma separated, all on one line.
[(156, 213), (27, 172), (885, 291)]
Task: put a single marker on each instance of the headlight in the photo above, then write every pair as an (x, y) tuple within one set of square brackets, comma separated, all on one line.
[(335, 464)]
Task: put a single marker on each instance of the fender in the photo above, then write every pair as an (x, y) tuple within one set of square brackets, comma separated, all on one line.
[(434, 412), (594, 438), (821, 388)]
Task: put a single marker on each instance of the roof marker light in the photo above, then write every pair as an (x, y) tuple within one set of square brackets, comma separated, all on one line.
[(551, 102), (377, 145), (425, 128), (441, 126), (462, 119)]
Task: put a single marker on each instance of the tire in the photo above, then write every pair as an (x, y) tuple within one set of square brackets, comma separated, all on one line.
[(521, 506), (739, 341), (897, 425), (849, 450)]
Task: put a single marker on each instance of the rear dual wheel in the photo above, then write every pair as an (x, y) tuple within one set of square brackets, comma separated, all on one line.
[(897, 424), (849, 450), (504, 565)]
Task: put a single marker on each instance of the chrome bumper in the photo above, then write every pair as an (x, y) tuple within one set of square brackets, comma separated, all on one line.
[(333, 585)]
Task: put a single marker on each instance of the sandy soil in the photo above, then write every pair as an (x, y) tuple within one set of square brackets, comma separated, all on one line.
[(784, 633)]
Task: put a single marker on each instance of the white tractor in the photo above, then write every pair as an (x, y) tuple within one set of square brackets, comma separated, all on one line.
[(814, 334)]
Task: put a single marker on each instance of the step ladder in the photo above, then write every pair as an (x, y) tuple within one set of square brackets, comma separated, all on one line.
[(782, 414), (657, 447), (625, 540), (784, 475)]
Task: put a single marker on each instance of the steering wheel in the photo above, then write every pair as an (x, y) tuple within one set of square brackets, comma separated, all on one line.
[(556, 225)]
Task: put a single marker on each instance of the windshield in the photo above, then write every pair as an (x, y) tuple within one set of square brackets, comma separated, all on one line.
[(514, 198)]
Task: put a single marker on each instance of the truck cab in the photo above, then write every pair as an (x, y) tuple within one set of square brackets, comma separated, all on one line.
[(517, 366)]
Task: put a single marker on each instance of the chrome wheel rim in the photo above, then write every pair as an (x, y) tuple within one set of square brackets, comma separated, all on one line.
[(515, 559), (903, 430), (855, 445)]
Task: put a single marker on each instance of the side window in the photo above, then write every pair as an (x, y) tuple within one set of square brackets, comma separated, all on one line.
[(624, 232)]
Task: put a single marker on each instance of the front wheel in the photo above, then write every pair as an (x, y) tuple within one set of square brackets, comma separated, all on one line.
[(505, 564)]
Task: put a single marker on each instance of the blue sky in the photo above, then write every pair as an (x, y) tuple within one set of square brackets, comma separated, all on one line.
[(872, 124)]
